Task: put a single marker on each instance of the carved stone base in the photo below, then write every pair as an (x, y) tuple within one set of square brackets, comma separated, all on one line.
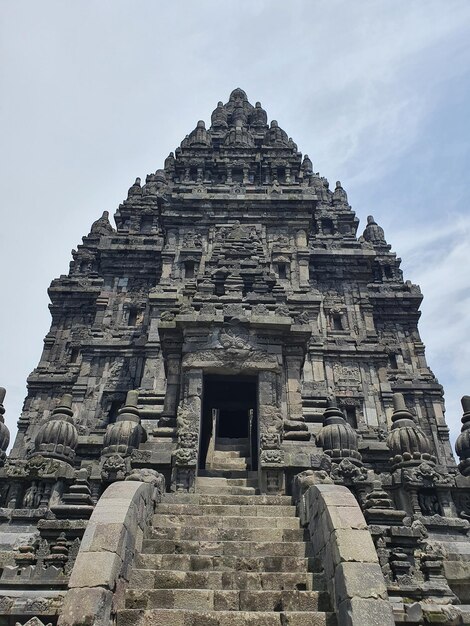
[(183, 478), (272, 480)]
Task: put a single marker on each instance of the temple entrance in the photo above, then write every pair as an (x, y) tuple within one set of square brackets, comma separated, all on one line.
[(229, 428)]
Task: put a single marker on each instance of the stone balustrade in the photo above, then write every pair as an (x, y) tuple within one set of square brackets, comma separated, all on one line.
[(343, 544), (113, 535)]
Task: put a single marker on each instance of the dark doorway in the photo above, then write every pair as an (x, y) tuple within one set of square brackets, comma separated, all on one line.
[(229, 403)]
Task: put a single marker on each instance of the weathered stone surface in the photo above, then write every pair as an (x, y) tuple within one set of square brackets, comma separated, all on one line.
[(362, 612), (359, 580), (353, 545), (87, 607)]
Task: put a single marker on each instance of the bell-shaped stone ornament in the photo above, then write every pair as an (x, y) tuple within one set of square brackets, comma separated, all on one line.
[(126, 433), (407, 442), (339, 195), (275, 136), (102, 226), (337, 438), (135, 189), (373, 232), (219, 117), (58, 437), (199, 136), (258, 116), (307, 165)]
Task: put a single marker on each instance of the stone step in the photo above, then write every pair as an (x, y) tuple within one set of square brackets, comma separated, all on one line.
[(225, 509), (203, 533), (229, 465), (195, 562), (233, 453), (242, 500), (182, 617), (228, 548), (252, 477), (232, 600), (228, 490), (226, 481), (224, 521), (235, 450), (253, 581)]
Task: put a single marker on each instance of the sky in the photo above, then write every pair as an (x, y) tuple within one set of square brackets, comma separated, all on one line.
[(96, 93)]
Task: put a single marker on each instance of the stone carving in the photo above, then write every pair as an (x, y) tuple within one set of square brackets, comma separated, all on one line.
[(337, 438), (406, 440), (184, 479), (192, 240), (187, 439), (260, 309), (272, 457), (185, 456), (16, 468), (346, 373), (114, 467), (188, 414), (57, 438), (126, 433), (347, 471), (282, 310), (232, 340), (145, 475), (270, 441), (141, 456), (427, 475), (272, 420)]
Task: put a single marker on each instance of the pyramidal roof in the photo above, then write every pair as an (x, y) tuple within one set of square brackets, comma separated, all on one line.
[(239, 149)]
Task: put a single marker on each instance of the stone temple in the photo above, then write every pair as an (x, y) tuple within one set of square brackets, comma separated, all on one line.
[(233, 420)]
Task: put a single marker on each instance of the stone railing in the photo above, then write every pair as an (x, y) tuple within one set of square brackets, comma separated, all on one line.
[(343, 544), (113, 535)]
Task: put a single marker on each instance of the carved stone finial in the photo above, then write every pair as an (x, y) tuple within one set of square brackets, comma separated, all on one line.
[(170, 162), (4, 432), (219, 117), (258, 116), (339, 195), (199, 136), (135, 189), (126, 433), (238, 94), (407, 442), (101, 226), (307, 165), (462, 445), (337, 438), (373, 232), (57, 438)]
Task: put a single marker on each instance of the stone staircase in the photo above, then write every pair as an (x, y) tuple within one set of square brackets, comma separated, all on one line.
[(225, 556), (231, 455)]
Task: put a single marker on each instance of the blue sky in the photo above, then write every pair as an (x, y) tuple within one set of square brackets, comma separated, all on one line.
[(98, 92)]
